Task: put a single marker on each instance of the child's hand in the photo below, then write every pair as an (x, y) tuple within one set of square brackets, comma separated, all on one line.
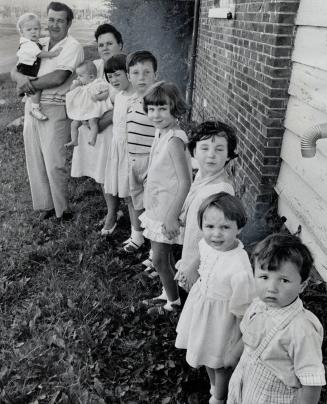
[(101, 95), (182, 281), (171, 228), (55, 53)]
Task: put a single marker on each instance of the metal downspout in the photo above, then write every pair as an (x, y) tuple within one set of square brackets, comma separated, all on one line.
[(190, 84)]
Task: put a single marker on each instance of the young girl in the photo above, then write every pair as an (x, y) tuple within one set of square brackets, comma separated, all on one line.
[(282, 359), (213, 146), (168, 182), (117, 166), (87, 100), (208, 327), (30, 54)]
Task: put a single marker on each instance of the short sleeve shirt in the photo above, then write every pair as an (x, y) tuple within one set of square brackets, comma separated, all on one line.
[(27, 52), (69, 58)]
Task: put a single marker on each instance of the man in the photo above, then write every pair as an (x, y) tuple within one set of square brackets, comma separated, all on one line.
[(45, 140)]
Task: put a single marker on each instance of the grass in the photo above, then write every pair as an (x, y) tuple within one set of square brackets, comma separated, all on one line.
[(73, 329)]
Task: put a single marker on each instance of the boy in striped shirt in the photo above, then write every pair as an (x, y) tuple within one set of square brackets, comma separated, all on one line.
[(142, 71)]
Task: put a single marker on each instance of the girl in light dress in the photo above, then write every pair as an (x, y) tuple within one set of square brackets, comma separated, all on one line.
[(168, 182), (86, 102), (116, 180), (213, 146), (282, 359), (208, 327)]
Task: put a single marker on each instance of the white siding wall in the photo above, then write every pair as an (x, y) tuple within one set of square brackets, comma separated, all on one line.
[(302, 183)]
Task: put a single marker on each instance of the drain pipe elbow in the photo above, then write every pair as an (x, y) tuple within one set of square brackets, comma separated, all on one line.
[(310, 138)]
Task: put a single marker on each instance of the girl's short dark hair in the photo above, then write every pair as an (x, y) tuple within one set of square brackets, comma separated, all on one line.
[(230, 205), (141, 57), (278, 248), (163, 93), (57, 6), (114, 63), (207, 130), (108, 29)]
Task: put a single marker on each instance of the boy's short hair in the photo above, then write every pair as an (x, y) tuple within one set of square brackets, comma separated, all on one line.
[(207, 130), (141, 57), (230, 205), (114, 63), (277, 248), (57, 6), (108, 29), (24, 18), (89, 66), (163, 93)]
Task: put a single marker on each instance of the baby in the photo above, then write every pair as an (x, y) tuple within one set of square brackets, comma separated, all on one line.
[(87, 100), (30, 54)]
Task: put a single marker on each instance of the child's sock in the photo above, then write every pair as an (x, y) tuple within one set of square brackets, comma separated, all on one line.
[(137, 236)]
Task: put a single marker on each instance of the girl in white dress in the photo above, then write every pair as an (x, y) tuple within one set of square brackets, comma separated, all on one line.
[(117, 180), (86, 102), (168, 182), (208, 327)]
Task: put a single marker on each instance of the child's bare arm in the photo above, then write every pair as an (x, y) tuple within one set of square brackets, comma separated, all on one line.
[(310, 395), (232, 357), (50, 54), (176, 149)]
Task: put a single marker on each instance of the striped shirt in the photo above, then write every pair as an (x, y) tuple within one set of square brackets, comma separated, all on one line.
[(140, 131)]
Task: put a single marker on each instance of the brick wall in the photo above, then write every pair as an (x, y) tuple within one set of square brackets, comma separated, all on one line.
[(242, 70)]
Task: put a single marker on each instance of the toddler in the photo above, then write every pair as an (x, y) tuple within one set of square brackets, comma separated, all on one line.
[(282, 359), (30, 54), (213, 145), (208, 327), (86, 102), (168, 182)]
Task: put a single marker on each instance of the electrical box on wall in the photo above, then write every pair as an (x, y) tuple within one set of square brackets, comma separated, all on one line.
[(227, 13)]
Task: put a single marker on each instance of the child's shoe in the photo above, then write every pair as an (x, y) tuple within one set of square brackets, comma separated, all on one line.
[(133, 245), (37, 114), (171, 306), (163, 296)]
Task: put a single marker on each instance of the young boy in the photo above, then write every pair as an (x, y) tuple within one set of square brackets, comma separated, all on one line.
[(282, 358), (141, 70), (30, 53)]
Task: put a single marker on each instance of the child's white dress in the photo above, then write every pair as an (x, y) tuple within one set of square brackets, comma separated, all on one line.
[(162, 185), (80, 105), (117, 167), (209, 323)]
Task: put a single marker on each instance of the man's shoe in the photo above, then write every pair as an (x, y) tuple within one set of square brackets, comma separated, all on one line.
[(46, 214)]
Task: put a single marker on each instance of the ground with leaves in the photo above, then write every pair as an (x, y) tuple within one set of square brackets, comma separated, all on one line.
[(73, 329)]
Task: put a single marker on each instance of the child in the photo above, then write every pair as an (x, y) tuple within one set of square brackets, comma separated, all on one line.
[(30, 54), (141, 71), (168, 182), (117, 181), (209, 323), (282, 359), (213, 146), (87, 100)]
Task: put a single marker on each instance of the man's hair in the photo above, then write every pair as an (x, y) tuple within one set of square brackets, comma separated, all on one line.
[(24, 18), (163, 93), (209, 129), (114, 63), (230, 205), (141, 57), (278, 248), (89, 66), (108, 29), (57, 6)]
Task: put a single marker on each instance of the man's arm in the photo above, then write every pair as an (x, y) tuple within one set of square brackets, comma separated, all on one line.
[(50, 80)]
